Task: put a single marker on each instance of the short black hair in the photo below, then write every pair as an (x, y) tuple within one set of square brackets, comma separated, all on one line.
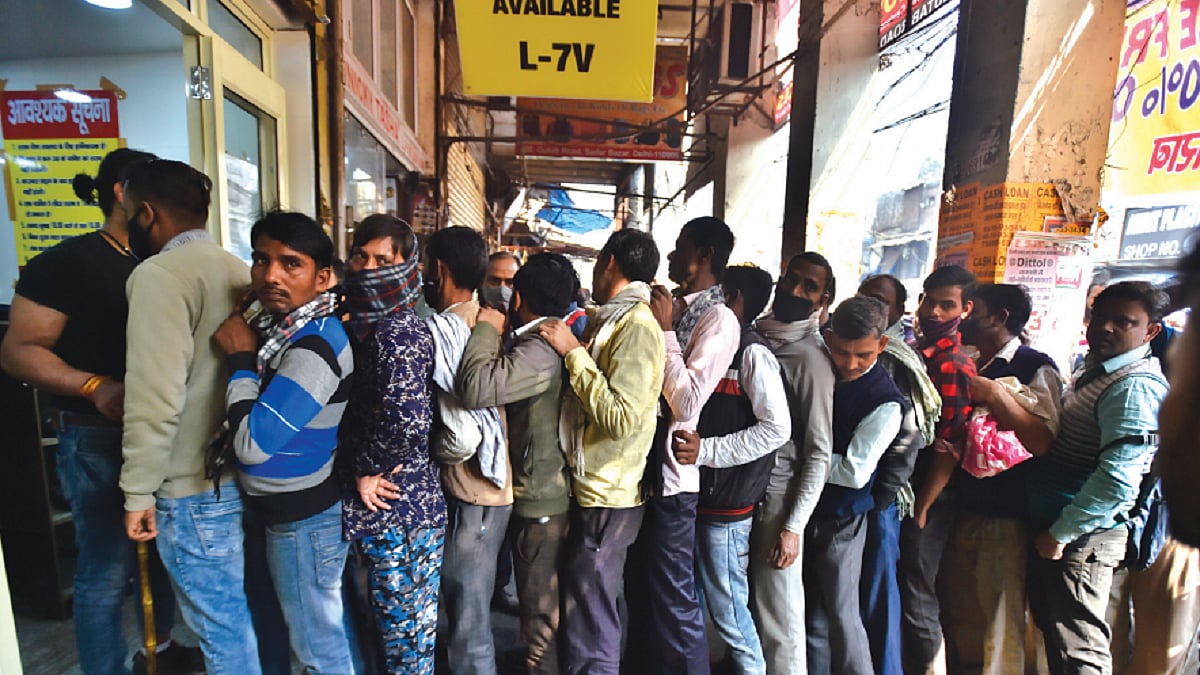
[(378, 225), (710, 232), (1015, 299), (951, 275), (546, 284), (298, 232), (1152, 299), (112, 169), (900, 291), (463, 251), (173, 186), (814, 258), (635, 252), (858, 317), (753, 283)]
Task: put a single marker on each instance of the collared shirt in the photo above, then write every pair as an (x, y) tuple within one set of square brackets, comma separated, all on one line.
[(690, 379), (1046, 385), (1128, 408), (872, 437), (186, 237), (951, 371), (760, 378)]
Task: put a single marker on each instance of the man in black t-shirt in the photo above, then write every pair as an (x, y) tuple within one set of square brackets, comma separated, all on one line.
[(67, 338)]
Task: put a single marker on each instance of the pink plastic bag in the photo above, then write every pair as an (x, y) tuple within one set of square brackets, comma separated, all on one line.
[(989, 450)]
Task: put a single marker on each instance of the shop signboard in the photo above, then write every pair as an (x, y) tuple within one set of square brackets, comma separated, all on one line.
[(787, 38), (920, 10), (1056, 270), (553, 127), (1160, 231), (893, 21), (582, 49), (48, 138), (366, 100), (1155, 133)]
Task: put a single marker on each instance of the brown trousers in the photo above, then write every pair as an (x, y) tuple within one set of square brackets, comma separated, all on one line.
[(1162, 606), (537, 552)]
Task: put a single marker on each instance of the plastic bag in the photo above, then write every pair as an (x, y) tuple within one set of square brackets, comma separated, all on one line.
[(989, 450)]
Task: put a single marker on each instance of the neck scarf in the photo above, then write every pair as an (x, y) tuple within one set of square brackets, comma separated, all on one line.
[(374, 294), (279, 332), (687, 322), (601, 323), (932, 331), (926, 400)]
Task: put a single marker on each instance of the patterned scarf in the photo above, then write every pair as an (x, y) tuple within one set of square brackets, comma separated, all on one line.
[(925, 395), (687, 321), (602, 321), (279, 332), (371, 295)]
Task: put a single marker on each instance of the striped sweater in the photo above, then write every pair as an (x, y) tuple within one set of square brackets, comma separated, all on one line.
[(285, 425)]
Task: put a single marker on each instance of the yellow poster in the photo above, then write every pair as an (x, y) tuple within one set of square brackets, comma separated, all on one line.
[(1155, 134), (589, 49)]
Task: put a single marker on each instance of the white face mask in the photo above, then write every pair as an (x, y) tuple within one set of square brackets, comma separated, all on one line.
[(497, 297)]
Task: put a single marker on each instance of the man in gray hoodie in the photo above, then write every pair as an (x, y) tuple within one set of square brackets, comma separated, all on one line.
[(801, 466)]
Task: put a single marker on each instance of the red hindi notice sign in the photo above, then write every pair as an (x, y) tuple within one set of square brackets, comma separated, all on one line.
[(28, 115)]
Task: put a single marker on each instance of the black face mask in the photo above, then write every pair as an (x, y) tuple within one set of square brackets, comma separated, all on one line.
[(789, 308), (139, 240)]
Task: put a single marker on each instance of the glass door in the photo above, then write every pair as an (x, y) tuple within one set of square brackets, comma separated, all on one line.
[(250, 170)]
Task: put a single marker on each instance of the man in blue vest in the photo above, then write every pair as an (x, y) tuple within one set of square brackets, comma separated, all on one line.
[(1088, 481)]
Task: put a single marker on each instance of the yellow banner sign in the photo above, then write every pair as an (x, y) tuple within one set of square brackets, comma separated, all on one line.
[(1155, 135), (589, 49)]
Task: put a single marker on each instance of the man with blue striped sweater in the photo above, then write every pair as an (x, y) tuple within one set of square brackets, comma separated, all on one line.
[(290, 383)]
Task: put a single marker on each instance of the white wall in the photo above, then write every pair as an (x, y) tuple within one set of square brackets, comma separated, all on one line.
[(293, 70), (153, 117), (755, 182)]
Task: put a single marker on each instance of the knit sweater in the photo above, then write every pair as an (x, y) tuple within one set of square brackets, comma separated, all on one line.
[(175, 376), (285, 425)]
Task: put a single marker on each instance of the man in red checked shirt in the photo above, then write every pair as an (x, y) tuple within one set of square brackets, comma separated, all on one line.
[(923, 538)]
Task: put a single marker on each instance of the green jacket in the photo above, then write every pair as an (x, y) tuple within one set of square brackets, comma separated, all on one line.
[(527, 381)]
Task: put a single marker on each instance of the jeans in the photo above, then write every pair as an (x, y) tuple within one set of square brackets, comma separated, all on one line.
[(306, 559), (881, 589), (1069, 596), (473, 538), (89, 469), (837, 639), (200, 541), (722, 559)]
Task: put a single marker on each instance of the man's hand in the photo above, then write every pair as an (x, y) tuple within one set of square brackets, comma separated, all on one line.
[(1048, 547), (140, 525), (559, 335), (786, 550), (235, 336), (109, 399), (686, 446), (983, 390), (492, 317), (374, 489), (662, 304)]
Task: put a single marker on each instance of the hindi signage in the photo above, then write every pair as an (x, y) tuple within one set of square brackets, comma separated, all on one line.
[(47, 140), (583, 49)]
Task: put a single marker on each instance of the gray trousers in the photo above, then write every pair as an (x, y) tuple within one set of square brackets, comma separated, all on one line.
[(537, 548), (473, 538), (920, 561), (777, 595), (837, 638)]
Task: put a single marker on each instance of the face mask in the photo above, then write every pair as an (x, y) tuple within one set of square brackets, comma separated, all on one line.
[(430, 289), (789, 308), (498, 297), (139, 240), (931, 330)]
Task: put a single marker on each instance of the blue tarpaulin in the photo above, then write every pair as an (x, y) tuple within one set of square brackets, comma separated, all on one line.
[(561, 212)]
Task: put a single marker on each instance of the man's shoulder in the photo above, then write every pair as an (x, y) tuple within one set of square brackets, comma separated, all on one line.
[(326, 329)]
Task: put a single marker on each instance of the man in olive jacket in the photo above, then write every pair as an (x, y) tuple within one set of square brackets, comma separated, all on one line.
[(527, 380)]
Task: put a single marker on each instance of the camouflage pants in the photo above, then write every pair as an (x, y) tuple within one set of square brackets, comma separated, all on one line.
[(404, 570)]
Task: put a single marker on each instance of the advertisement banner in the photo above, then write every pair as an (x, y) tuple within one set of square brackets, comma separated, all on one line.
[(1155, 136), (787, 38), (1056, 270), (47, 140), (893, 21), (583, 49), (586, 129)]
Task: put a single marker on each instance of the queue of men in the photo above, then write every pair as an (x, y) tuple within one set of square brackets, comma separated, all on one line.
[(342, 473)]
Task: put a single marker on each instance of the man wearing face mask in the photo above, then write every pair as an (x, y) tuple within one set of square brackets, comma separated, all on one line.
[(802, 465), (497, 289), (175, 400)]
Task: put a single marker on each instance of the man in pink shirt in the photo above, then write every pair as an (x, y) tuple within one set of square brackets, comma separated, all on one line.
[(702, 334)]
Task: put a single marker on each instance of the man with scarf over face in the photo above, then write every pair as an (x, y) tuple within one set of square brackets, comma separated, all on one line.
[(702, 336), (383, 275), (945, 301), (288, 389), (802, 465)]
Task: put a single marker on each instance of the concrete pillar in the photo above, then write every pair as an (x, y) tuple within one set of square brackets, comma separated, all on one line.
[(806, 71), (1029, 120)]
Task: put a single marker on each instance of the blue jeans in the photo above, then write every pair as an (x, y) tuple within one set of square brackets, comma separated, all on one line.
[(881, 589), (89, 468), (722, 558), (200, 541), (306, 559)]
